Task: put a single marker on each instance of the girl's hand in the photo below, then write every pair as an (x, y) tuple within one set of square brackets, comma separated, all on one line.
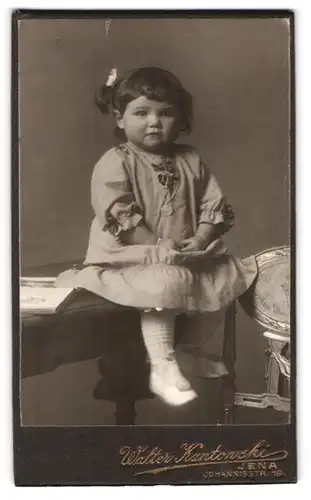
[(193, 244), (140, 235), (168, 243)]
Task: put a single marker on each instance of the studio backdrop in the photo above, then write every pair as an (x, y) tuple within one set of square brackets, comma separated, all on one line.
[(238, 73)]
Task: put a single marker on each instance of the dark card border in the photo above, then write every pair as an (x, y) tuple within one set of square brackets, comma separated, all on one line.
[(90, 455)]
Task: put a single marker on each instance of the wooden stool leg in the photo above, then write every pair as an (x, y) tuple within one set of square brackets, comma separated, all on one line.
[(229, 356), (125, 411), (228, 410), (125, 373)]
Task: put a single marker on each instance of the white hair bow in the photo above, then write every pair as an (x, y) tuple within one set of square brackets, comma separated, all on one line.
[(112, 77)]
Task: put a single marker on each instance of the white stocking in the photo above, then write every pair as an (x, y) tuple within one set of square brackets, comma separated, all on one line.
[(158, 329)]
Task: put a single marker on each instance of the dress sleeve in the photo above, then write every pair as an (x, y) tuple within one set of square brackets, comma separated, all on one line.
[(214, 208), (111, 195)]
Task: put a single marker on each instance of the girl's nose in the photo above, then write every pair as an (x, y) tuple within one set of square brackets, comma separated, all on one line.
[(153, 119)]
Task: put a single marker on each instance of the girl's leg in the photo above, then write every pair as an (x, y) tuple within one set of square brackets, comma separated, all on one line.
[(158, 329)]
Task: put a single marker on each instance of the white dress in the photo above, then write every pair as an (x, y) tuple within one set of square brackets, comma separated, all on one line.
[(172, 195)]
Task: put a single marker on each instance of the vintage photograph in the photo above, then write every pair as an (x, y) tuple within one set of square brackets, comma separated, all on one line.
[(153, 172), (155, 195)]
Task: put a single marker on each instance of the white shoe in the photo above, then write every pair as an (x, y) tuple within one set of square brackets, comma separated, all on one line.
[(168, 384)]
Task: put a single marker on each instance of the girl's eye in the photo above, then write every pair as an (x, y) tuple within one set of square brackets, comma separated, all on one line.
[(166, 113), (141, 112)]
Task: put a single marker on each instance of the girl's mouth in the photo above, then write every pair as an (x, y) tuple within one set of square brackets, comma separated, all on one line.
[(153, 134)]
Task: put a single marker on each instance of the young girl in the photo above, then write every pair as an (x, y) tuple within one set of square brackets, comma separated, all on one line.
[(159, 213)]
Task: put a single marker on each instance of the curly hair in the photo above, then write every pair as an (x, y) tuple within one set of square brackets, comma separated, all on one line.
[(154, 83)]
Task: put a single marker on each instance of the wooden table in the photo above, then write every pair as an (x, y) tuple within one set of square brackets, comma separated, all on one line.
[(92, 327)]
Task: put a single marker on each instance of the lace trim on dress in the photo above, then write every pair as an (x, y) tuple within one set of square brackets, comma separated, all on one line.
[(128, 220), (164, 167), (222, 213), (167, 173)]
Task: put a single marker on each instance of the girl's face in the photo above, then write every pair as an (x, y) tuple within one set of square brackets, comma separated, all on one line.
[(150, 125)]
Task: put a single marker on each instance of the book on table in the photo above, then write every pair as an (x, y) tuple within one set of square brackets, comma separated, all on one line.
[(41, 296)]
